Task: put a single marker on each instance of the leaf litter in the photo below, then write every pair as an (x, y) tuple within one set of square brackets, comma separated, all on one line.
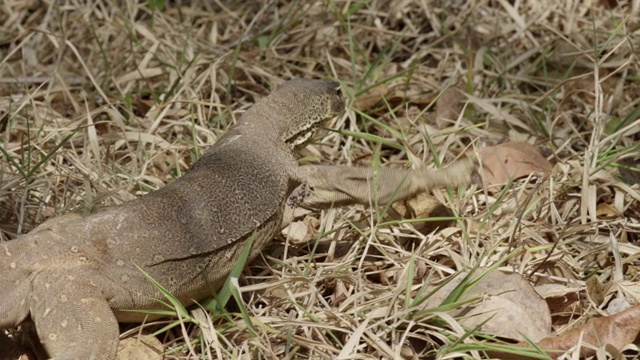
[(141, 91)]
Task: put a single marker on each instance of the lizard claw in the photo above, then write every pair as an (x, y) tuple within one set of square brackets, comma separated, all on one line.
[(298, 195)]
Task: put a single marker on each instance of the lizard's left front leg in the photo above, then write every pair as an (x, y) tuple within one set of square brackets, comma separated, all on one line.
[(72, 316), (324, 186)]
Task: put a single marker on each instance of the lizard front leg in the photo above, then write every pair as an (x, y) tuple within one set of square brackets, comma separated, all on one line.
[(72, 317), (324, 186)]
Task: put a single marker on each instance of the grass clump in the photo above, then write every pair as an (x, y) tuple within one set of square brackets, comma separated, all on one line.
[(103, 101)]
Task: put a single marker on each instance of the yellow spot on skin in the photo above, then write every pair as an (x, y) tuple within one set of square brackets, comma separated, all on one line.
[(53, 337), (120, 263), (63, 323), (97, 319), (63, 298), (12, 265)]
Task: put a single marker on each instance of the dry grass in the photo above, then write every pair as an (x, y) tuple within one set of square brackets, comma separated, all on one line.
[(102, 101)]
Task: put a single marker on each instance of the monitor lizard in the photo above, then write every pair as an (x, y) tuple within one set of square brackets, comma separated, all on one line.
[(78, 277)]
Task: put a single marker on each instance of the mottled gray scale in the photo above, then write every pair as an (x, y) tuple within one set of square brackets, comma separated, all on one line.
[(77, 277), (73, 275)]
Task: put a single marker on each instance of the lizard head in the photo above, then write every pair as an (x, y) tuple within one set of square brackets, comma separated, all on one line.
[(316, 102)]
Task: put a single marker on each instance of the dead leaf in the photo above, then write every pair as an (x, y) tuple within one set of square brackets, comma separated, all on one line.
[(422, 206), (509, 307), (511, 160), (563, 300), (371, 97), (604, 210), (299, 231), (296, 232), (448, 106), (617, 330), (140, 347)]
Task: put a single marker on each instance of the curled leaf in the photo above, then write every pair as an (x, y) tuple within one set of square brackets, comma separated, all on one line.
[(511, 160)]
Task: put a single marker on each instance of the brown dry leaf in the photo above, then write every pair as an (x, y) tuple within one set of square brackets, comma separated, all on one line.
[(604, 210), (561, 299), (371, 97), (449, 106), (140, 347), (48, 89), (511, 160), (300, 231), (509, 307), (617, 330), (296, 232), (422, 206)]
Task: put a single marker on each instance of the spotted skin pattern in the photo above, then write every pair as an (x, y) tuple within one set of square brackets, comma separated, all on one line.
[(77, 277)]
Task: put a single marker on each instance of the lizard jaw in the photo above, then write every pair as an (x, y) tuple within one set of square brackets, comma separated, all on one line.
[(301, 138), (305, 135)]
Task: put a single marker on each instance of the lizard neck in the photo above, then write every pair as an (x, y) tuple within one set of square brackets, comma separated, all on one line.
[(258, 127), (265, 122)]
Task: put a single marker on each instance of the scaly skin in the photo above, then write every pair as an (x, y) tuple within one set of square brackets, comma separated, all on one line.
[(74, 276)]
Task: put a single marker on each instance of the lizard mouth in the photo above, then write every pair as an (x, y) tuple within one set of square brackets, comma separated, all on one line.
[(305, 135), (302, 138)]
